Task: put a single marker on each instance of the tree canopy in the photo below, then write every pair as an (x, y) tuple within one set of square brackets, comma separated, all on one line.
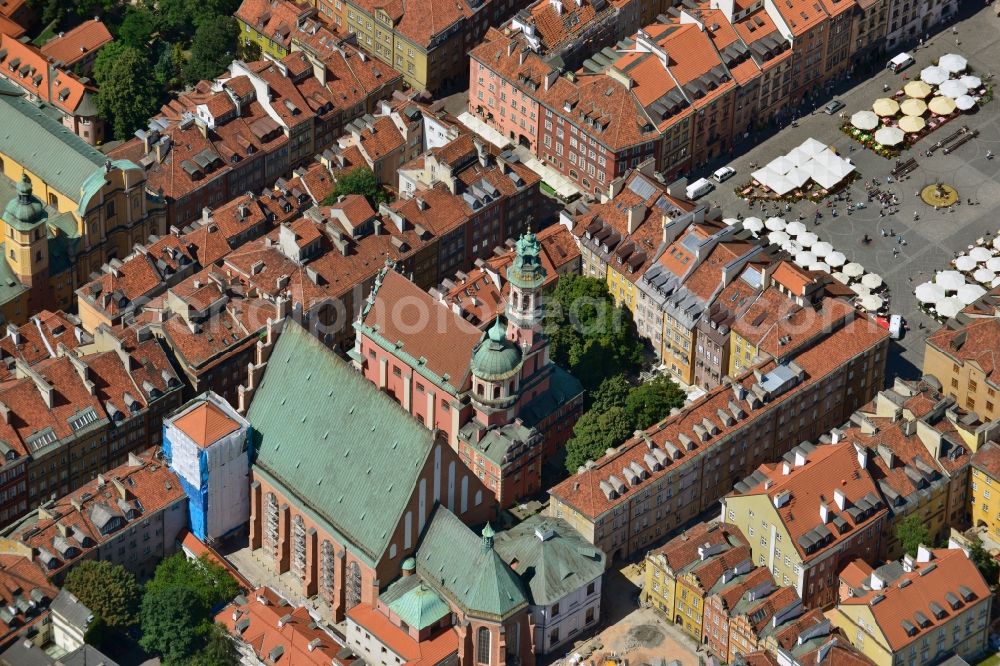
[(912, 532), (128, 94), (185, 593), (618, 409), (172, 623), (212, 49), (137, 27), (107, 589), (589, 336), (358, 181), (210, 583)]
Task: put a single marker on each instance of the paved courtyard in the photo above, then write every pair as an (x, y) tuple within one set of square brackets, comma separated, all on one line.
[(931, 241)]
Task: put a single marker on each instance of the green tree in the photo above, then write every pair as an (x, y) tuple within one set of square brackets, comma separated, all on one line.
[(985, 562), (167, 69), (137, 28), (107, 589), (358, 181), (594, 433), (128, 94), (171, 622), (219, 650), (249, 51), (912, 532), (589, 336), (651, 402), (210, 582), (212, 49), (613, 392), (109, 54)]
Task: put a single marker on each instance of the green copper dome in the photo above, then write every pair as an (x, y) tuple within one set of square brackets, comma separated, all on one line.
[(495, 356), (24, 211)]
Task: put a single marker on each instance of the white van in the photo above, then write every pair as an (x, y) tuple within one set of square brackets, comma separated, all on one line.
[(900, 62), (724, 173), (698, 188)]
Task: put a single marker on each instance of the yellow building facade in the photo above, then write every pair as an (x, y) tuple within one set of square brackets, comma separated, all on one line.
[(984, 496), (94, 209), (953, 356)]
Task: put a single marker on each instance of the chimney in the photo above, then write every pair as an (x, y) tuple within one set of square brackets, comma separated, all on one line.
[(786, 469), (862, 456), (824, 512), (924, 554), (840, 498), (876, 582), (206, 214), (800, 458)]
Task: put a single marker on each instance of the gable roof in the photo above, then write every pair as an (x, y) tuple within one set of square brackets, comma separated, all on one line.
[(459, 564), (313, 407), (391, 317)]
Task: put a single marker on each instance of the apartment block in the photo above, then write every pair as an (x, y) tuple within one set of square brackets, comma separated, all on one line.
[(958, 355), (985, 488), (922, 610), (660, 480), (130, 514)]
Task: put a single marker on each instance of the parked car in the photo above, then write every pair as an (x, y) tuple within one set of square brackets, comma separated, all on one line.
[(832, 107), (900, 62), (698, 188), (723, 174)]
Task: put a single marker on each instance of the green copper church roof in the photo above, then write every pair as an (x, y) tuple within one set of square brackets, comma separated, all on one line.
[(24, 211), (416, 604), (348, 453), (43, 145), (553, 559), (459, 564), (495, 357)]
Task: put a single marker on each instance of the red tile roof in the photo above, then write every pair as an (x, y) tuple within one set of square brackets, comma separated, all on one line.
[(74, 45), (22, 580), (278, 632), (275, 19), (400, 306), (34, 74), (828, 469), (416, 653), (949, 580), (977, 341), (69, 529), (987, 459), (582, 491), (206, 424)]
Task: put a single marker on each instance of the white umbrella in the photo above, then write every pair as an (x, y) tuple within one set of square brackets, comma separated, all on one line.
[(864, 120), (753, 224), (933, 75), (807, 239), (775, 224), (871, 302), (795, 228), (820, 266), (871, 281), (950, 280), (964, 102), (860, 289), (993, 263), (952, 62), (953, 88), (995, 283), (996, 242), (851, 270), (777, 237), (822, 248), (968, 293), (928, 292), (729, 221), (805, 258), (948, 307), (980, 254), (889, 136), (971, 81), (840, 277), (966, 263), (984, 275), (836, 259)]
